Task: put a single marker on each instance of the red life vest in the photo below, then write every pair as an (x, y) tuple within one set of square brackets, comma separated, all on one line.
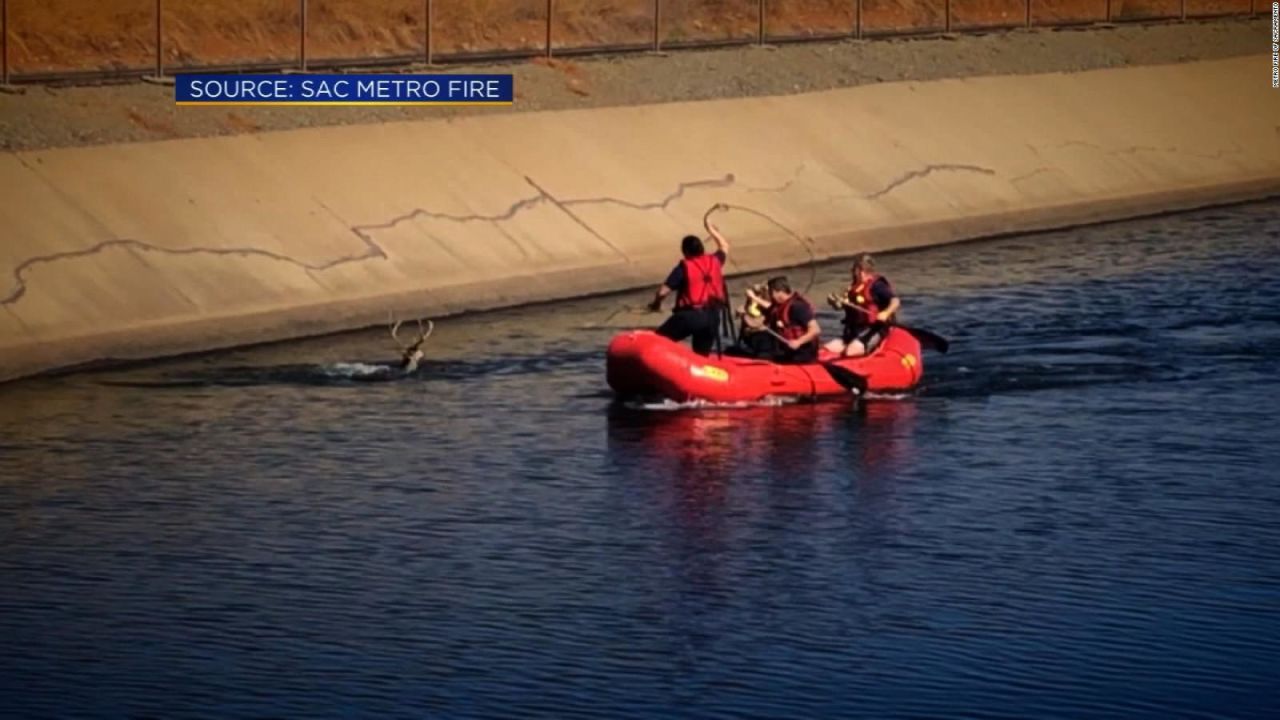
[(703, 283), (780, 318), (860, 294)]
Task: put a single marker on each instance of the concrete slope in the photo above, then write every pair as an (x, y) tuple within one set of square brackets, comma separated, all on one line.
[(140, 250)]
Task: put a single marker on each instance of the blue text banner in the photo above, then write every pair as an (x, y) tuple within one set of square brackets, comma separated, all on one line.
[(433, 89)]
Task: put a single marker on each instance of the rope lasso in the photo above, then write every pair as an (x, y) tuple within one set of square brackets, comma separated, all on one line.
[(805, 242)]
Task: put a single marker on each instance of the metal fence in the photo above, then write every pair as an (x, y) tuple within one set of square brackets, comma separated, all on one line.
[(135, 38)]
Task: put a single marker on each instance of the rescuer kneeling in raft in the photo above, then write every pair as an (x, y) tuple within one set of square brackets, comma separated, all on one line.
[(698, 281), (753, 338), (869, 305), (791, 323)]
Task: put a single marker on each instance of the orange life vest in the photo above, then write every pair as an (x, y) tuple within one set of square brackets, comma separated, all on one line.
[(860, 294), (780, 318), (703, 283)]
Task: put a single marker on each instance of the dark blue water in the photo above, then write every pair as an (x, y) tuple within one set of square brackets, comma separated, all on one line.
[(1077, 516)]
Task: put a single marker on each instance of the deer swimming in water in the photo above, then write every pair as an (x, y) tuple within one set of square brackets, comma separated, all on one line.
[(411, 353)]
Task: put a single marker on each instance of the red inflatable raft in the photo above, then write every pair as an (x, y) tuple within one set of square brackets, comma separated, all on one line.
[(642, 363)]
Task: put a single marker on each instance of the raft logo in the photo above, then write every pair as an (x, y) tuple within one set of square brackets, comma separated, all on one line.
[(439, 89), (711, 372)]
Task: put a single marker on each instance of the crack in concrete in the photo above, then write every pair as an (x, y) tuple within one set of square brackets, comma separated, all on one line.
[(1028, 175), (20, 284), (1130, 150), (1135, 149), (890, 187), (725, 181), (574, 216), (795, 178), (925, 172), (372, 250), (908, 177), (432, 215)]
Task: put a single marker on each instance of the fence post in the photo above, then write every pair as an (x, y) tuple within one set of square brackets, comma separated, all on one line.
[(760, 10), (1184, 11), (551, 11), (4, 42), (657, 25), (159, 38), (302, 34), (1108, 10), (426, 31), (857, 19), (1028, 25), (946, 8)]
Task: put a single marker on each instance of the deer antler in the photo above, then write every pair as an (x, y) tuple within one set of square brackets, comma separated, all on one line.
[(395, 327), (422, 334)]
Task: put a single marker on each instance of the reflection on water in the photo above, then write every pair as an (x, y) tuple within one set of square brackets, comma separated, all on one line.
[(705, 446), (1073, 517)]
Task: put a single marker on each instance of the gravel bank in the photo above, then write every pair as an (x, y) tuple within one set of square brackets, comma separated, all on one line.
[(43, 117)]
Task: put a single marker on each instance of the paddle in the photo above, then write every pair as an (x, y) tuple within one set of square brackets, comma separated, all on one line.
[(844, 377), (928, 339), (931, 340)]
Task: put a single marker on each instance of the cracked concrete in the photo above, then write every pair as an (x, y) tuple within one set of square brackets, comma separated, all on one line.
[(364, 232), (925, 172), (147, 249), (373, 250), (20, 287)]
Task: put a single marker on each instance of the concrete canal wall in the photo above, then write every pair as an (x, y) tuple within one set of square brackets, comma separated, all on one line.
[(147, 249)]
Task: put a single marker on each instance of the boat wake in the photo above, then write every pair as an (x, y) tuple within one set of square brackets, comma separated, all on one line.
[(343, 374), (653, 405), (889, 396), (663, 405), (358, 370), (330, 374)]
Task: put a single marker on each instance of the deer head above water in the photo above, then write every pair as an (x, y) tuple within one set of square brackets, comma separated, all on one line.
[(411, 353)]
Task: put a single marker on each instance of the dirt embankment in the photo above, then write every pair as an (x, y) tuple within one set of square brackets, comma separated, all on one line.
[(61, 35), (55, 117)]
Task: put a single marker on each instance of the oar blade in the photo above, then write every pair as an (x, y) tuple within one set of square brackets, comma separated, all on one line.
[(847, 379), (930, 340)]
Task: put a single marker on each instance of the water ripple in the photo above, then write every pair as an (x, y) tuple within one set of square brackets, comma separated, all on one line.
[(1073, 517)]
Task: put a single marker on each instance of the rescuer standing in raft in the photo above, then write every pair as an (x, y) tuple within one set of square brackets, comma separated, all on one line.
[(698, 281)]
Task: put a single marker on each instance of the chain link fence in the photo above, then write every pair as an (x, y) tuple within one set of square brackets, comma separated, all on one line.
[(95, 40)]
